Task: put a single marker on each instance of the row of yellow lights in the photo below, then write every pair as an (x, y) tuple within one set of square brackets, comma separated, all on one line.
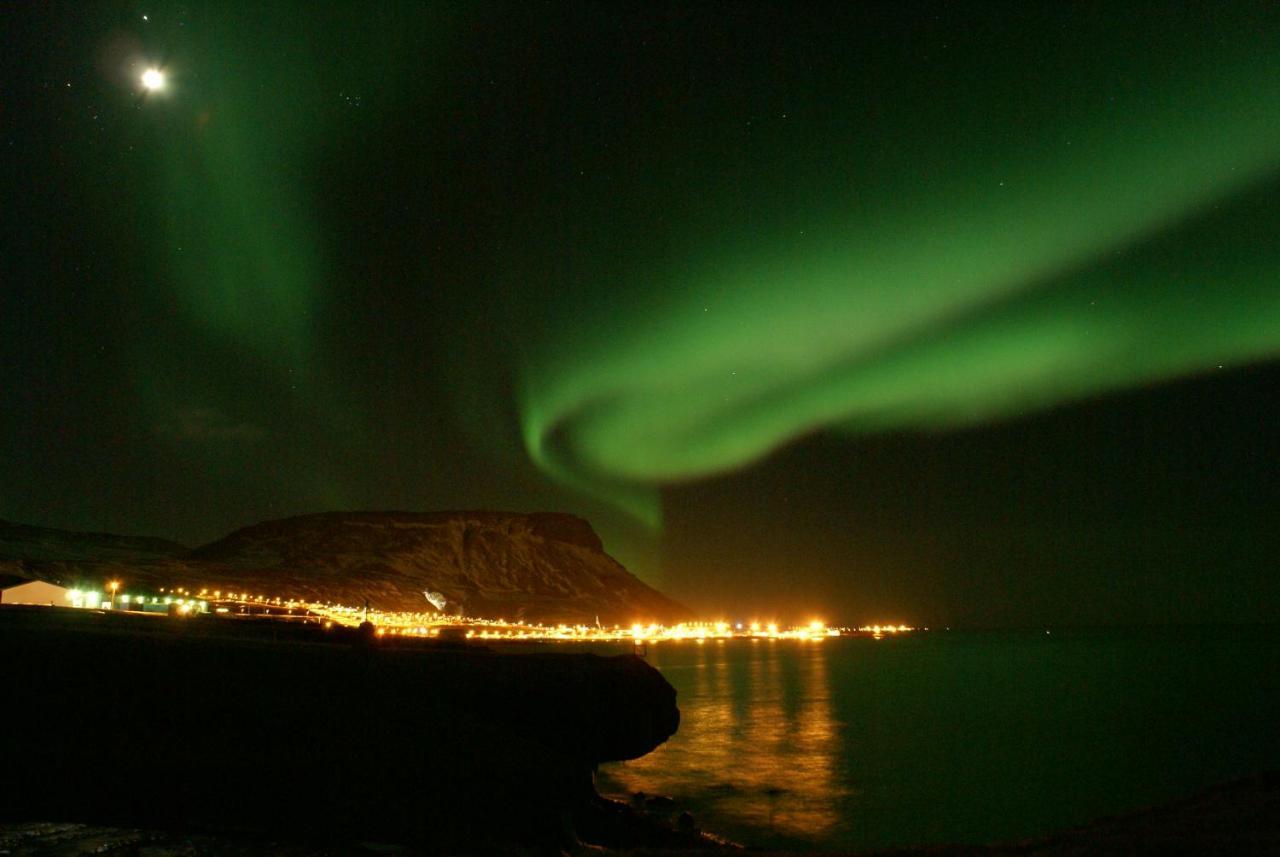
[(423, 624), (428, 625)]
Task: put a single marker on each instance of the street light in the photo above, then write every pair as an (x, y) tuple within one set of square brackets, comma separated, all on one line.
[(112, 587)]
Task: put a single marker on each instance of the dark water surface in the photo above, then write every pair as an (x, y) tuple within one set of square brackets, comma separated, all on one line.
[(956, 737)]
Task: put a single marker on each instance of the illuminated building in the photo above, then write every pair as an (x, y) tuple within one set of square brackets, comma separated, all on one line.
[(24, 590)]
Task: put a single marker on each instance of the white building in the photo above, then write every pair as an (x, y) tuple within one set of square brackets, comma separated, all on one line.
[(20, 591)]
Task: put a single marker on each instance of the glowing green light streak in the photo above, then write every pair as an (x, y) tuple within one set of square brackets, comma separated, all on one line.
[(965, 300)]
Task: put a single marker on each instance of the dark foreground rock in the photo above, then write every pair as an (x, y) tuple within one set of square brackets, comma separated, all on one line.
[(209, 724), (1239, 818)]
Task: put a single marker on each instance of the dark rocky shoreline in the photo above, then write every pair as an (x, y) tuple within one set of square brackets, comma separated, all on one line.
[(270, 730), (1237, 818), (144, 735)]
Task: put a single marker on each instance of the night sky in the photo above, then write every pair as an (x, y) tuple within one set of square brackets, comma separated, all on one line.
[(945, 313)]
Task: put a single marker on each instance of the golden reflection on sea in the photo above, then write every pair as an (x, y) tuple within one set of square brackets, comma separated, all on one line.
[(757, 737)]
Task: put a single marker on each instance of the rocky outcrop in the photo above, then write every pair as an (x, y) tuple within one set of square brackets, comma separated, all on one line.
[(542, 567), (209, 724)]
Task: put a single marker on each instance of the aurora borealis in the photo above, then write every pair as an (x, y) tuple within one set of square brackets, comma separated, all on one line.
[(984, 289), (681, 268)]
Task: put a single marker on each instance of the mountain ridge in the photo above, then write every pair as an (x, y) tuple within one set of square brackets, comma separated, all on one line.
[(541, 566)]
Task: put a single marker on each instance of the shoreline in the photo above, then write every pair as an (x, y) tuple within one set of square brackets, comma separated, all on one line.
[(139, 724), (153, 723), (1238, 817)]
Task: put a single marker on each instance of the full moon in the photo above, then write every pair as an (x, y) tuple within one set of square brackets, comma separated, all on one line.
[(153, 79)]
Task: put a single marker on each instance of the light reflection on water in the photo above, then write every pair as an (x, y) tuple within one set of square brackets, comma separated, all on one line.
[(852, 743), (757, 740)]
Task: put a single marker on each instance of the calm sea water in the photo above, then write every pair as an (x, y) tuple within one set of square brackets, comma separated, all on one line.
[(956, 737)]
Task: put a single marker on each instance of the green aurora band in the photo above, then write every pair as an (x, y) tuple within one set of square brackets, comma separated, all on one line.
[(240, 134), (1005, 228), (1030, 265)]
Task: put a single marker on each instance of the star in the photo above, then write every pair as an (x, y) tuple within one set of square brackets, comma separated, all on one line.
[(153, 79)]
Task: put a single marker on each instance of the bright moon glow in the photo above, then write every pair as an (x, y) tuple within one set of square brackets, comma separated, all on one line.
[(153, 79)]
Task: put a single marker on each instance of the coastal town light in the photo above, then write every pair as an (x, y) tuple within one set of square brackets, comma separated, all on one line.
[(427, 624)]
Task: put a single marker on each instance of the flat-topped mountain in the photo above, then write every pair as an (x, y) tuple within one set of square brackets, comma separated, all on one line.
[(545, 567)]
